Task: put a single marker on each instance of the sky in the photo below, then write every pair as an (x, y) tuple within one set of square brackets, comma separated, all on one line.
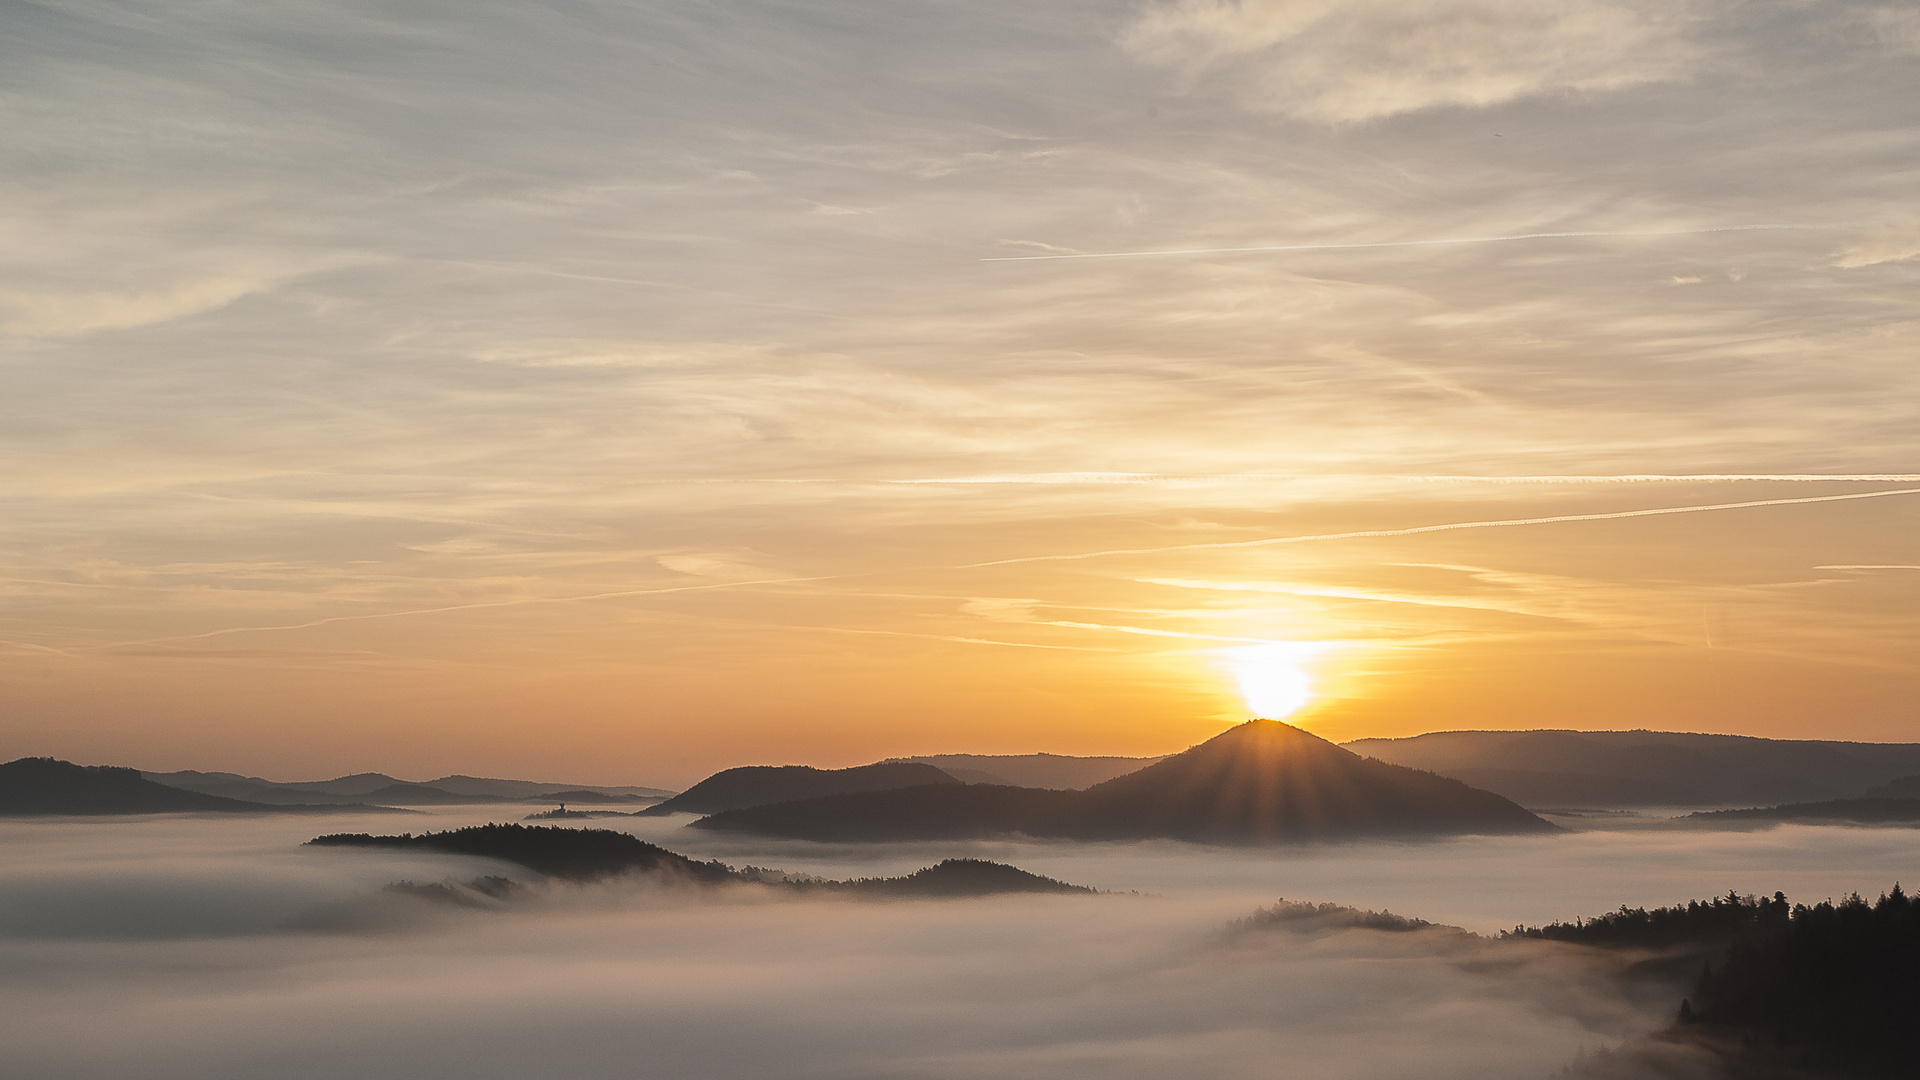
[(618, 391)]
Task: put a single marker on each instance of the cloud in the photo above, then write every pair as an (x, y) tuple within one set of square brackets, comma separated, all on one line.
[(1343, 61), (1887, 244), (49, 314)]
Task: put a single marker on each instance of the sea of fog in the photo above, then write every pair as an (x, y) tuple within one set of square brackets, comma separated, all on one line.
[(171, 947)]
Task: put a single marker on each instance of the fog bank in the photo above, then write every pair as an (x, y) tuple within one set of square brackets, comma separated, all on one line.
[(155, 947)]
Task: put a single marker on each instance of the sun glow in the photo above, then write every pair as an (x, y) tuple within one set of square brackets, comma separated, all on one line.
[(1272, 676)]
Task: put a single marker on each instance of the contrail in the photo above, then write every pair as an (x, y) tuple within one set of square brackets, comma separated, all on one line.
[(1449, 527), (1268, 541), (1120, 478), (1414, 243)]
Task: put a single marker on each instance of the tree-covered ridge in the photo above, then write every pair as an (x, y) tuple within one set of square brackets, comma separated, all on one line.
[(573, 854), (1701, 923), (595, 854), (1837, 985), (1833, 987), (1309, 917)]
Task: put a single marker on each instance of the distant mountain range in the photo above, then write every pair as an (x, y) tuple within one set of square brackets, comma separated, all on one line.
[(50, 786), (758, 785), (1875, 811), (1602, 769), (1261, 781), (381, 789), (1058, 771)]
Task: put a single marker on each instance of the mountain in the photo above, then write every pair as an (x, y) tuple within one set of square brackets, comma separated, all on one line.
[(1649, 768), (404, 794), (50, 786), (379, 787), (525, 790), (1262, 781), (1906, 787), (758, 785), (246, 788), (583, 795), (1032, 770)]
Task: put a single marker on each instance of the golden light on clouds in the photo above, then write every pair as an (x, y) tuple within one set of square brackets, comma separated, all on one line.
[(634, 393)]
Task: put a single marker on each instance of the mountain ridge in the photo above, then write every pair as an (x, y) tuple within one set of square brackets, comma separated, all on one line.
[(1260, 782)]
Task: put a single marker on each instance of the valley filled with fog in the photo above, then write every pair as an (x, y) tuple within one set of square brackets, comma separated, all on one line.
[(218, 947)]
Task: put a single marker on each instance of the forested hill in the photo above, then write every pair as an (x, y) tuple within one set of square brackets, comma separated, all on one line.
[(597, 854), (759, 785), (44, 785), (1832, 988), (572, 854)]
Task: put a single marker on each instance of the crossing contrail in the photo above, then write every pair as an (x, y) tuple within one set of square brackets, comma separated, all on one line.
[(1449, 527), (1220, 545), (1415, 243)]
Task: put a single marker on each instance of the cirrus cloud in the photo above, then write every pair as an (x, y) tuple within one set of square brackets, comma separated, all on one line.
[(1344, 62)]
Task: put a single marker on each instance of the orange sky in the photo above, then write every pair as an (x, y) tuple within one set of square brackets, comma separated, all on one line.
[(514, 396)]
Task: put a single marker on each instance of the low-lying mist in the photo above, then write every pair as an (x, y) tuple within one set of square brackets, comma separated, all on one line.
[(170, 947)]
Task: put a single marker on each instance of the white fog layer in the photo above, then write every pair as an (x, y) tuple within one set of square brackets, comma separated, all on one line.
[(164, 948)]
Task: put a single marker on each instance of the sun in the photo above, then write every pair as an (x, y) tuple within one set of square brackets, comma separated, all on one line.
[(1272, 676)]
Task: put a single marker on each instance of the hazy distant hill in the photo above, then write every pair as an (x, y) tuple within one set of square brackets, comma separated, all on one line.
[(758, 785), (381, 788), (51, 786), (1906, 787), (1647, 768), (1032, 770), (1879, 811), (1260, 781), (593, 854)]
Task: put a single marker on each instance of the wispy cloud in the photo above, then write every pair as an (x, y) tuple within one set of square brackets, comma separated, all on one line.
[(1341, 62)]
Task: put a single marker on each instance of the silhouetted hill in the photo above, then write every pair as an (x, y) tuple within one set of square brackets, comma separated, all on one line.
[(1570, 789), (1833, 811), (1058, 771), (246, 788), (962, 877), (1262, 781), (758, 785), (1906, 787), (1568, 768), (524, 790), (1785, 990), (581, 795), (424, 795), (593, 854), (930, 812), (379, 787), (574, 854), (50, 786)]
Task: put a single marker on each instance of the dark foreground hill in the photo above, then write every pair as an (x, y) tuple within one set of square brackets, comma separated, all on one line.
[(1829, 990), (1649, 768), (758, 785), (51, 786), (1262, 781), (597, 854)]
